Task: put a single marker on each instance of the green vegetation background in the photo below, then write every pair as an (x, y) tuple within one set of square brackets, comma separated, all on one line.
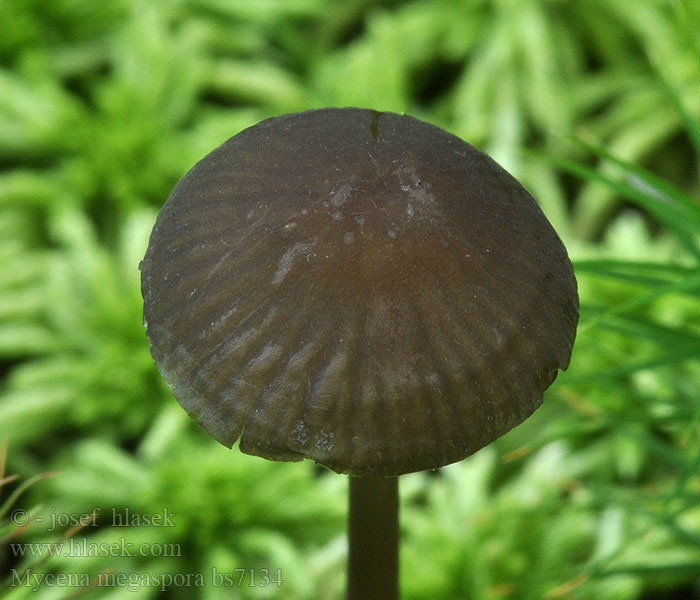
[(105, 105)]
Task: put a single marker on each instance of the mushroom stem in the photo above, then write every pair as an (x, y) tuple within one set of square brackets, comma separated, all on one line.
[(373, 531)]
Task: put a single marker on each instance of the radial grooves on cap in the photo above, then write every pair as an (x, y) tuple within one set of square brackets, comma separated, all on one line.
[(206, 313), (519, 272), (367, 433), (532, 286), (308, 427), (239, 394), (238, 346), (446, 421), (359, 435), (371, 433), (187, 297), (476, 339), (446, 339), (201, 233), (241, 270), (208, 268), (234, 385), (357, 367), (550, 337), (210, 247), (400, 411), (198, 375), (376, 407), (516, 341), (330, 389), (437, 415), (368, 459), (508, 374), (270, 419), (378, 321), (267, 432)]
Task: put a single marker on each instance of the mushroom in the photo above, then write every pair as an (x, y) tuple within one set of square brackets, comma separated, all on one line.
[(362, 289)]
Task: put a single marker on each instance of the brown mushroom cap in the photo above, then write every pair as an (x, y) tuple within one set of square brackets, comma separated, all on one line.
[(359, 288)]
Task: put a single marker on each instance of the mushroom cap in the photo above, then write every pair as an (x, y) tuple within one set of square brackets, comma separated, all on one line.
[(359, 288)]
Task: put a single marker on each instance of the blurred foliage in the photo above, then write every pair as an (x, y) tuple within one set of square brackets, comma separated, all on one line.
[(104, 106)]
